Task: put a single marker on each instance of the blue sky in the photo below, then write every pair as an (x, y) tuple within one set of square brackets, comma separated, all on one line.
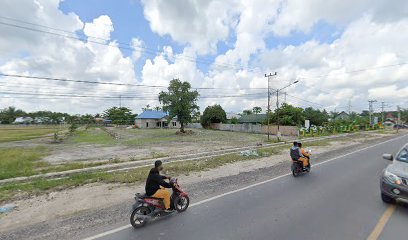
[(128, 22)]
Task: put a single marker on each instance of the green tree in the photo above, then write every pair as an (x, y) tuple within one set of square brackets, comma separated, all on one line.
[(256, 110), (213, 114), (8, 115), (146, 108), (288, 115), (316, 116), (247, 112), (234, 120), (87, 119), (404, 116), (119, 115), (180, 101)]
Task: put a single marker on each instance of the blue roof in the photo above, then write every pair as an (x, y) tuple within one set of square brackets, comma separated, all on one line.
[(151, 114)]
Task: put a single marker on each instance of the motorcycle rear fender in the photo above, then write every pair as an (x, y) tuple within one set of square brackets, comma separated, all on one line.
[(184, 194)]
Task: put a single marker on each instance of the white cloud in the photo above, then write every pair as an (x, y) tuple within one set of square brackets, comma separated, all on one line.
[(138, 46), (100, 28), (199, 23)]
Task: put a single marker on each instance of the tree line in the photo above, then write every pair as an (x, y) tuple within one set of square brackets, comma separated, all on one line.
[(117, 115)]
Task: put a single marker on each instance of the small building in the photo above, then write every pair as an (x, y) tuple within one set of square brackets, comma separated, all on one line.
[(155, 119), (252, 119), (23, 120), (343, 116)]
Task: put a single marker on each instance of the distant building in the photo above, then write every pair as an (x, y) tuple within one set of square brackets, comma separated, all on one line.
[(23, 120), (343, 116), (155, 119), (252, 118)]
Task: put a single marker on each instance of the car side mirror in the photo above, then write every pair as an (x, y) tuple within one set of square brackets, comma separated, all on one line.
[(388, 156)]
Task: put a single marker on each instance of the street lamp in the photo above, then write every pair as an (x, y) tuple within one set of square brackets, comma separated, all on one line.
[(277, 105)]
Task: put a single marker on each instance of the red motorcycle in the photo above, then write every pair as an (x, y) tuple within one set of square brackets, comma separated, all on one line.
[(150, 208)]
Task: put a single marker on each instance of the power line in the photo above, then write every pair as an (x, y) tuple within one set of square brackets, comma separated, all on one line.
[(126, 47), (155, 52), (107, 83)]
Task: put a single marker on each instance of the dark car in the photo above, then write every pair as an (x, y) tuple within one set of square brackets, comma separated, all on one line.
[(394, 181)]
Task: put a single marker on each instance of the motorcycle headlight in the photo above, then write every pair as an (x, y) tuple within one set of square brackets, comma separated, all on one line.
[(391, 177)]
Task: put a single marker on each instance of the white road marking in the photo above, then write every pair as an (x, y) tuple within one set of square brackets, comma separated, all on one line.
[(247, 187)]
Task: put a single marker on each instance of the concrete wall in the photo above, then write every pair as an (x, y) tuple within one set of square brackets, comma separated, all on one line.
[(194, 125), (141, 123), (251, 128), (284, 130)]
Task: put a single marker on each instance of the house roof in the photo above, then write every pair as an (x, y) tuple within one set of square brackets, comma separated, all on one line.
[(152, 114), (343, 113), (252, 118)]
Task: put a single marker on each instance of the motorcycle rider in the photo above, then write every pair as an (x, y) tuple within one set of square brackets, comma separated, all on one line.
[(305, 156), (294, 152), (156, 186)]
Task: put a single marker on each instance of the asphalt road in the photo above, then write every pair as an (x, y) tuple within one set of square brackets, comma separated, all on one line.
[(339, 199)]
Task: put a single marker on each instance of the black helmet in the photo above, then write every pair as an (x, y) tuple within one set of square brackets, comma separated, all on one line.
[(158, 163)]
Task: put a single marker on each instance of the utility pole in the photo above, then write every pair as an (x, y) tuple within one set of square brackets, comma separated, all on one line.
[(285, 97), (269, 97), (399, 118), (371, 110), (120, 101), (382, 111), (349, 106), (277, 113)]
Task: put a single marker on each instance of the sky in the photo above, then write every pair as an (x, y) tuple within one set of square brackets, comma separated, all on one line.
[(342, 53)]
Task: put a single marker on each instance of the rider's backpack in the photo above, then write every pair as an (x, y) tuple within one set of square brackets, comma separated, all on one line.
[(294, 154)]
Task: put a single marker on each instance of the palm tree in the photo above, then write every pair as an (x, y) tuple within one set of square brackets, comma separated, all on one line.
[(257, 110)]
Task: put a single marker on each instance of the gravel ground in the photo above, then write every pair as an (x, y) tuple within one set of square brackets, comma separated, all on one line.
[(86, 223)]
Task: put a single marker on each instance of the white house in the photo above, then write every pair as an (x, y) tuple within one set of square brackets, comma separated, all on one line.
[(155, 119)]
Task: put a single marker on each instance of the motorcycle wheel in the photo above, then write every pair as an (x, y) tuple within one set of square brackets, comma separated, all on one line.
[(135, 218), (295, 173), (181, 203)]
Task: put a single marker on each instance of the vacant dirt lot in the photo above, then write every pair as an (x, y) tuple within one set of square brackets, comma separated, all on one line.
[(121, 144)]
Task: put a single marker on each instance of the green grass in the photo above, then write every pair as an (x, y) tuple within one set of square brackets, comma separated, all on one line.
[(16, 162), (19, 162), (23, 133), (92, 136)]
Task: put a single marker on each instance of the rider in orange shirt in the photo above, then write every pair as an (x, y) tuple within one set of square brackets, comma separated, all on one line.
[(305, 155)]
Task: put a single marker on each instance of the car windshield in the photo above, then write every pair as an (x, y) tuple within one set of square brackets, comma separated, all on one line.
[(403, 155)]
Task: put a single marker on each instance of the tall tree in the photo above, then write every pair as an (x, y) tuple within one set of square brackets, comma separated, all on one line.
[(247, 112), (316, 116), (8, 115), (257, 110), (180, 101), (213, 114), (119, 115), (288, 115), (146, 108)]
